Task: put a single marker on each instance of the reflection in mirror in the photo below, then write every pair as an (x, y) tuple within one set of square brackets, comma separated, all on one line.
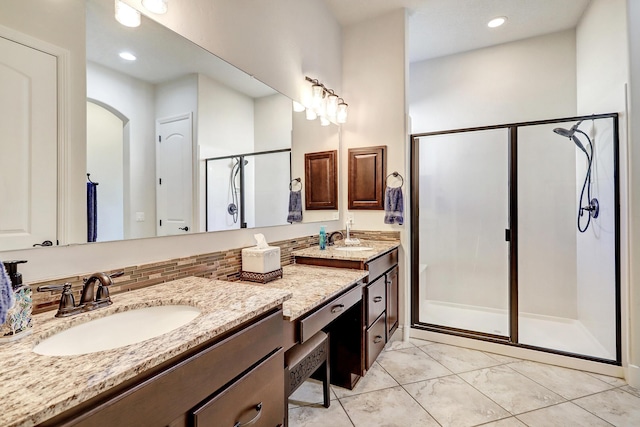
[(152, 121)]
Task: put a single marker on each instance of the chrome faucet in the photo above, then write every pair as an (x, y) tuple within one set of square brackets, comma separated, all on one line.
[(331, 241), (90, 298)]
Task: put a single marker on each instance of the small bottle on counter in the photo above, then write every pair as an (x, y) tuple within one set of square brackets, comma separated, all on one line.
[(322, 239)]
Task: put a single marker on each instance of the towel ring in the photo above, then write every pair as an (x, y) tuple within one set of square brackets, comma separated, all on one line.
[(395, 175), (298, 180), (89, 179)]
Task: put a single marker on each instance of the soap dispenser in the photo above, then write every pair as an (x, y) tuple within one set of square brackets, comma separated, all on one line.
[(322, 238), (18, 322)]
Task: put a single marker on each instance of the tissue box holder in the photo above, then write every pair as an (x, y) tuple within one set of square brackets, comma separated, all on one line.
[(261, 265)]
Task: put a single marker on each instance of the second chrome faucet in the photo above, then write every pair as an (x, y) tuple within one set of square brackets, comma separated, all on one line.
[(90, 298)]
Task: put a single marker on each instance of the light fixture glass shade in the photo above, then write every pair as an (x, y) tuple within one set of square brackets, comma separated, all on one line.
[(156, 6), (311, 114), (332, 105), (322, 108), (324, 121), (341, 114), (127, 15), (317, 93), (297, 107)]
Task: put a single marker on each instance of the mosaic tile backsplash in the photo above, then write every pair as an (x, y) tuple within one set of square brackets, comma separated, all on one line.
[(223, 265)]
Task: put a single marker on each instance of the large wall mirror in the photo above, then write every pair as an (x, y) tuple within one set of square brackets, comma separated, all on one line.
[(180, 141)]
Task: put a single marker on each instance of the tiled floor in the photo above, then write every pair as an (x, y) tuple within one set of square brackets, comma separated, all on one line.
[(420, 383)]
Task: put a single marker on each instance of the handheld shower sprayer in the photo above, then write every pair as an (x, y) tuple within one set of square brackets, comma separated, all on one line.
[(593, 207)]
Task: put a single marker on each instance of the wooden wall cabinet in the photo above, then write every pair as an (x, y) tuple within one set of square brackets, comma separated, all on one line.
[(367, 172), (321, 180)]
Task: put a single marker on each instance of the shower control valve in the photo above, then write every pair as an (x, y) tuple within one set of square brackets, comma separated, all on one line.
[(593, 208)]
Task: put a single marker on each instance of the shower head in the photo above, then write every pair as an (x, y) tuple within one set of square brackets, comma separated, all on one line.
[(570, 133)]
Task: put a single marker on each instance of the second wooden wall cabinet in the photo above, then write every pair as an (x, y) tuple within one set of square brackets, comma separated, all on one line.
[(367, 171)]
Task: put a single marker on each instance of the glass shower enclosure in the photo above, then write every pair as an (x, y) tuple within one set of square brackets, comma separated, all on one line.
[(515, 235)]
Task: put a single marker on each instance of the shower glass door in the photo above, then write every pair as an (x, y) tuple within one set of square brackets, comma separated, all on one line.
[(566, 254), (463, 255)]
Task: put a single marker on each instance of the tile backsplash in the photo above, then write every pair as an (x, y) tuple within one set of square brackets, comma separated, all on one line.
[(222, 265)]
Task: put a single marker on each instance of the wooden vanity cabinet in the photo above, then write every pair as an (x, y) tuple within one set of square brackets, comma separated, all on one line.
[(381, 306), (379, 316), (228, 380)]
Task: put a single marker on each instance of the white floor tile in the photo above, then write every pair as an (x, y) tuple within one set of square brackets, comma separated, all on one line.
[(459, 359), (615, 406), (389, 407), (411, 365), (564, 414), (375, 379), (319, 416), (309, 393), (454, 403)]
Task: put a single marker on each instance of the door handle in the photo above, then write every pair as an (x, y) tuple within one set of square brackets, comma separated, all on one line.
[(45, 243), (183, 228), (377, 299)]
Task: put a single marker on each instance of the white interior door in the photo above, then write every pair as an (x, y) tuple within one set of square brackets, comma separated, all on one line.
[(28, 146), (174, 175)]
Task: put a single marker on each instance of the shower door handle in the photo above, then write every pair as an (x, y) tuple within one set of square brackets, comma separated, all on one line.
[(507, 235), (183, 228)]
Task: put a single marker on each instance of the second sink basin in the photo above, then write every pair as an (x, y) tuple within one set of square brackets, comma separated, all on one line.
[(353, 248), (117, 330)]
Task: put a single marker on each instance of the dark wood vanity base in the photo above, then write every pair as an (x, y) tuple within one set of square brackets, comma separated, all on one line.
[(235, 377)]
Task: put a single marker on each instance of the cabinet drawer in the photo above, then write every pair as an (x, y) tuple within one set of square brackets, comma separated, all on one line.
[(321, 318), (375, 340), (255, 396), (376, 300), (381, 264)]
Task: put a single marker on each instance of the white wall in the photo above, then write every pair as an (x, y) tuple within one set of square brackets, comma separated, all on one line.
[(633, 307), (105, 157), (531, 79), (602, 73), (135, 100), (276, 42), (520, 81)]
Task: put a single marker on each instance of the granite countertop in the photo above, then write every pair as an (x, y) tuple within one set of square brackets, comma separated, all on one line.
[(311, 286), (36, 388), (378, 247)]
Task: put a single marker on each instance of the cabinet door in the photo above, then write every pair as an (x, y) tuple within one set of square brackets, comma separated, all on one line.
[(367, 168), (392, 301), (375, 300), (321, 180)]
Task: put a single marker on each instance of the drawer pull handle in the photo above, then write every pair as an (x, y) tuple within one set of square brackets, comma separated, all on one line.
[(252, 420), (377, 339), (337, 308), (377, 299)]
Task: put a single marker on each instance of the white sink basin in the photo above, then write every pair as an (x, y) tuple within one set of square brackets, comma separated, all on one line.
[(353, 248), (117, 330)]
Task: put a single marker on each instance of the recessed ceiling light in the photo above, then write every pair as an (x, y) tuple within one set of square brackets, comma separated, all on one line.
[(496, 22), (127, 56)]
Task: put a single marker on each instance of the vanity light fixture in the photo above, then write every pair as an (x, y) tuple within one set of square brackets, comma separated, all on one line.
[(326, 104), (496, 22), (311, 114), (297, 107), (127, 56), (341, 114), (155, 6), (127, 15)]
